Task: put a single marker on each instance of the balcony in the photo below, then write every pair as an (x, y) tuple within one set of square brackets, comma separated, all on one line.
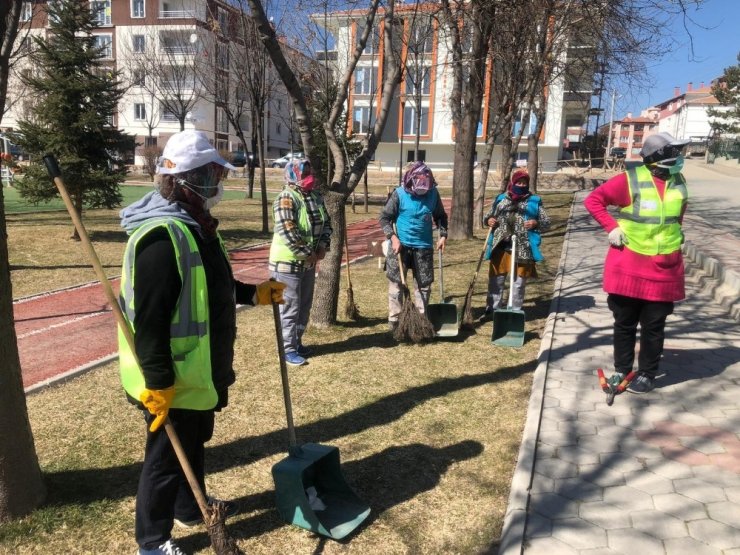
[(182, 9)]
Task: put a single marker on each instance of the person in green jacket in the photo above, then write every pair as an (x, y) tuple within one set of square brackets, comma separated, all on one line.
[(178, 296)]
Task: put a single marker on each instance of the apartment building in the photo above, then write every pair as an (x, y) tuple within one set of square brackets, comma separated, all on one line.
[(164, 48), (630, 133), (422, 101)]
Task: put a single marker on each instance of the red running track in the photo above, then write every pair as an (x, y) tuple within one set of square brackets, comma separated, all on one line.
[(63, 333)]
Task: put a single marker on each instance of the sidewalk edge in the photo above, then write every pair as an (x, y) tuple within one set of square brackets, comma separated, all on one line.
[(515, 519)]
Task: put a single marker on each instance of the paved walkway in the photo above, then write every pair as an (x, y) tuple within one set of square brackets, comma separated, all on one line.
[(652, 474)]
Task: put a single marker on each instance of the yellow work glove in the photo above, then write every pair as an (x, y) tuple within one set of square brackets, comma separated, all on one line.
[(157, 402), (269, 292)]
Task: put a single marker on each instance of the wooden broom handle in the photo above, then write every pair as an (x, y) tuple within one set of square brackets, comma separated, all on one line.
[(346, 251), (53, 169)]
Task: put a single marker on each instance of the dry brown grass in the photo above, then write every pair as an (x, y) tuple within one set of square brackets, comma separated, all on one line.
[(428, 434)]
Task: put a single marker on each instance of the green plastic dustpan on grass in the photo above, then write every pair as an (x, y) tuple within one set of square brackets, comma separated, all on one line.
[(442, 315), (508, 324), (310, 490)]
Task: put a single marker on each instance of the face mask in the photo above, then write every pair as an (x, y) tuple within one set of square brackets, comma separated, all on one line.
[(677, 166), (208, 202), (519, 190), (307, 183)]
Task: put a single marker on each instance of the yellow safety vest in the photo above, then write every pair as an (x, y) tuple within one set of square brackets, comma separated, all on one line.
[(650, 223), (189, 339), (279, 250)]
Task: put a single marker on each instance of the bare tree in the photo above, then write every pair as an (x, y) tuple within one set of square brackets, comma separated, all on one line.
[(21, 485), (346, 174)]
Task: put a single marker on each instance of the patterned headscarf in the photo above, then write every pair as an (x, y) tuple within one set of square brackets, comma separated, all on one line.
[(418, 179), (519, 185)]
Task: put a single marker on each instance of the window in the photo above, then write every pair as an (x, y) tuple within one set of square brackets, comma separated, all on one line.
[(223, 20), (409, 120), (138, 77), (222, 145), (222, 55), (26, 11), (418, 80), (373, 40), (139, 43), (150, 141), (222, 88), (101, 10), (363, 119), (25, 47), (222, 122), (422, 155), (529, 126), (365, 80), (104, 43), (422, 34), (52, 9), (138, 8), (168, 115), (139, 112)]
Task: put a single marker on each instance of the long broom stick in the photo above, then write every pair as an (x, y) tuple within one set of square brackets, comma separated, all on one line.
[(467, 310), (214, 516), (350, 308)]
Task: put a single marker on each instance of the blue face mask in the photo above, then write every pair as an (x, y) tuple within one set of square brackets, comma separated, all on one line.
[(677, 166)]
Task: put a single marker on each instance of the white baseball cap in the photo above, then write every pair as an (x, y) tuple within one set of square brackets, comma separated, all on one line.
[(657, 142), (188, 150)]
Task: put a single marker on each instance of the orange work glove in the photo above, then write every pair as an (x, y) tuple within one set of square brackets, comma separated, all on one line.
[(269, 292), (158, 402)]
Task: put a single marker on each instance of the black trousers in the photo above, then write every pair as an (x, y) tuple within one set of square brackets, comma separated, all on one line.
[(650, 315), (164, 493)]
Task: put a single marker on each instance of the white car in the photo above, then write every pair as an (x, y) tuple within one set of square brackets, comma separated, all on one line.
[(282, 161)]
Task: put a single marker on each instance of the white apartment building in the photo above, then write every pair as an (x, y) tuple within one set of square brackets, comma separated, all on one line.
[(164, 40), (685, 114), (427, 86)]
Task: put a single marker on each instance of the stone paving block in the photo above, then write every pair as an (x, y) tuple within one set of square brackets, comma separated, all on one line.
[(680, 506), (725, 512), (577, 455), (550, 401), (631, 422), (659, 524), (601, 475), (715, 533), (733, 494), (557, 414), (556, 468), (579, 533), (577, 427), (632, 541), (553, 506), (579, 490), (622, 461), (538, 526), (596, 417), (691, 419), (604, 443), (699, 490), (558, 438), (668, 469), (703, 445), (628, 498), (548, 546), (546, 451), (649, 482), (548, 426), (599, 551), (728, 461), (690, 546), (604, 515), (717, 476)]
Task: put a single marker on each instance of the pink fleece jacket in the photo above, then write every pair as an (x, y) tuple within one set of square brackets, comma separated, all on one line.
[(652, 278)]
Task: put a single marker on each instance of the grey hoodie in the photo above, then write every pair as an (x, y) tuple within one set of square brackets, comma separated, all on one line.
[(153, 205)]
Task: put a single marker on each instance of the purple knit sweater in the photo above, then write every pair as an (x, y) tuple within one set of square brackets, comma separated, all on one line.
[(652, 278)]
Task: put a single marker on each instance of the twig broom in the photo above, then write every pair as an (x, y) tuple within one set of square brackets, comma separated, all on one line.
[(413, 326), (350, 308), (467, 310), (214, 515)]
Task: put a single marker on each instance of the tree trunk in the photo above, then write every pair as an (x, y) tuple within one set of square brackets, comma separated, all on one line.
[(533, 161), (461, 221), (326, 294), (21, 486), (480, 194), (507, 147), (263, 178)]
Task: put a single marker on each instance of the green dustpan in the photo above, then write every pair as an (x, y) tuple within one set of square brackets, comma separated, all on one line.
[(310, 490), (443, 316), (508, 324)]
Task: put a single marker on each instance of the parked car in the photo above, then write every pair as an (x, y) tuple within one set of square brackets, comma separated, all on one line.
[(239, 160), (618, 152), (283, 160)]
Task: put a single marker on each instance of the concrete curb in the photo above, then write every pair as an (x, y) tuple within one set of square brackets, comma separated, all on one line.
[(727, 292), (515, 519), (66, 376)]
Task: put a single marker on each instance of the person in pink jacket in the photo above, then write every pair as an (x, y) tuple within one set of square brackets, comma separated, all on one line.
[(644, 269)]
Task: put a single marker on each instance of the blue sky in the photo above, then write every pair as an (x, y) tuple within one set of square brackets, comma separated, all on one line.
[(716, 45)]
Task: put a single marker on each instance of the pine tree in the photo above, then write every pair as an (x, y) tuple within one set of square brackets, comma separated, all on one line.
[(76, 95)]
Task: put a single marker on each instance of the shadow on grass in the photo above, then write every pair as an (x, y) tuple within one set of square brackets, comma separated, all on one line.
[(384, 480)]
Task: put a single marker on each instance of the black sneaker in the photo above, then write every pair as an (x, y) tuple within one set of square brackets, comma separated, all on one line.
[(643, 383), (304, 351)]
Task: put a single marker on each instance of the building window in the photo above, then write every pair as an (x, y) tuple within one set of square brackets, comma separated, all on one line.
[(363, 119), (409, 120), (168, 115), (365, 80), (222, 56), (26, 11), (104, 43), (138, 77), (101, 10), (420, 155), (139, 43), (138, 9), (139, 112), (222, 122), (371, 46), (223, 20), (422, 34), (222, 88), (418, 80), (150, 141)]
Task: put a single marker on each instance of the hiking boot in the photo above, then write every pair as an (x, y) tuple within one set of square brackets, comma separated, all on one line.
[(304, 351), (616, 378), (294, 359), (230, 509), (643, 383), (167, 548)]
